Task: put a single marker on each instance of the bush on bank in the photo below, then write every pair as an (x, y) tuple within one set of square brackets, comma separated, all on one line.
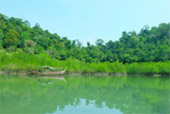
[(24, 61)]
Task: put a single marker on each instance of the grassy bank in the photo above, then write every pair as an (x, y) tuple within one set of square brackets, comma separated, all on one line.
[(24, 61)]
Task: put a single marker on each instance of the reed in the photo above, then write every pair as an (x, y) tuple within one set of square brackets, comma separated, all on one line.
[(24, 61)]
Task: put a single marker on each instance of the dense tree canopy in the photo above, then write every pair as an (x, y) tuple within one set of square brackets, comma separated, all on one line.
[(150, 44)]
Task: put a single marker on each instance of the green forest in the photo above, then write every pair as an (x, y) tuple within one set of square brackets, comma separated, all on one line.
[(26, 47)]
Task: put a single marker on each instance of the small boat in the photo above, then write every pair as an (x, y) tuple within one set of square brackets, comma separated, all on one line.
[(53, 73)]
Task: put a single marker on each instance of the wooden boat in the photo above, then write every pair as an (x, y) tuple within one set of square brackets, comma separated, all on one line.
[(50, 73)]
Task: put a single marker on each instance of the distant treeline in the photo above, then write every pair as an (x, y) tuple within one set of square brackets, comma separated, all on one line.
[(150, 44)]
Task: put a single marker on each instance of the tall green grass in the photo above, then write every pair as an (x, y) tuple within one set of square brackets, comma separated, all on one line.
[(148, 67), (23, 61)]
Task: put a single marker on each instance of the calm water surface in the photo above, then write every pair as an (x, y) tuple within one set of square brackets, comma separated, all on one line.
[(85, 95)]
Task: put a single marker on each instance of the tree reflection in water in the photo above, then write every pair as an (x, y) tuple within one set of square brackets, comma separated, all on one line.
[(110, 94)]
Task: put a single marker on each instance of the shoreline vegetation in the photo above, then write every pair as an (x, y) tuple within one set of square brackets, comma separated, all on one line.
[(24, 48), (20, 62)]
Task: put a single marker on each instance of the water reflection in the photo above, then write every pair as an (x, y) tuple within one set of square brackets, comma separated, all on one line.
[(83, 108), (125, 95)]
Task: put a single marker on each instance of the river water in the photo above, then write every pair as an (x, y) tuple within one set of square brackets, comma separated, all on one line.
[(85, 95)]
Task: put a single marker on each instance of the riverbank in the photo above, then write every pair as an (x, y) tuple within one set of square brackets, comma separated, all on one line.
[(23, 63), (70, 73)]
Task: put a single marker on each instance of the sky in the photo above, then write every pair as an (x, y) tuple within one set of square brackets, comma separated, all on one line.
[(89, 20)]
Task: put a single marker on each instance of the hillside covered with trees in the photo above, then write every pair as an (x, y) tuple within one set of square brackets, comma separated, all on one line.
[(150, 44), (25, 47)]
